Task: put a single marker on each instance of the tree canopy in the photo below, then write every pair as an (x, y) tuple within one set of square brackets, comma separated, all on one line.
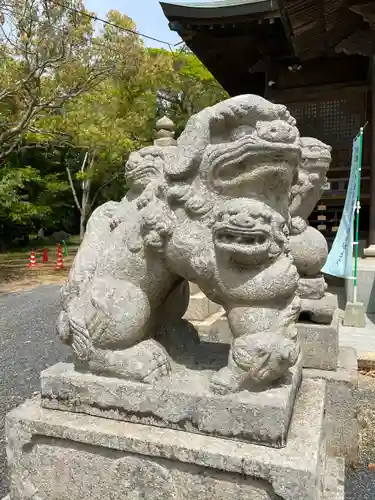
[(75, 99)]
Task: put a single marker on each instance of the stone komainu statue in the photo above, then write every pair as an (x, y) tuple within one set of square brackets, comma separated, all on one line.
[(213, 210)]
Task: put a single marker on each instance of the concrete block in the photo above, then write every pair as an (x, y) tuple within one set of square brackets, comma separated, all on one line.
[(354, 315), (200, 307), (183, 401), (57, 455), (320, 344), (341, 408), (365, 285)]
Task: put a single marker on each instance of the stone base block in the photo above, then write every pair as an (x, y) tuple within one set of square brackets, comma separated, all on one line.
[(200, 307), (320, 344), (215, 328), (182, 401), (57, 455), (311, 287), (319, 311), (354, 315), (341, 408)]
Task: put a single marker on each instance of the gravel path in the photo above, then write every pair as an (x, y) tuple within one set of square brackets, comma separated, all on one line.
[(28, 344)]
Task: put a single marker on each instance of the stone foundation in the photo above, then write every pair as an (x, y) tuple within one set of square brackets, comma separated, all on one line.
[(341, 408), (322, 359), (320, 344), (59, 455), (183, 402)]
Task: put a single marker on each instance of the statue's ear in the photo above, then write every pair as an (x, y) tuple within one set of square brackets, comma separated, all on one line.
[(190, 147), (183, 168), (295, 177)]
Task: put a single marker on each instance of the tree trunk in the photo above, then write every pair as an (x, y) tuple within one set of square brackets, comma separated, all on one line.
[(82, 226), (85, 202)]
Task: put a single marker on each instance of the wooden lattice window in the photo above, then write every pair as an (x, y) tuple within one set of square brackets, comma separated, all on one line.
[(333, 121)]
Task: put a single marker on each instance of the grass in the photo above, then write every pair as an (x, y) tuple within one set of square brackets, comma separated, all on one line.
[(15, 274)]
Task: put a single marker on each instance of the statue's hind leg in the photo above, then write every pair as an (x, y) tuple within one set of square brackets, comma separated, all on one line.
[(110, 340)]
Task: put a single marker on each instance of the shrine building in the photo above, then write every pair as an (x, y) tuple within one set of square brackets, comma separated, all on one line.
[(316, 57)]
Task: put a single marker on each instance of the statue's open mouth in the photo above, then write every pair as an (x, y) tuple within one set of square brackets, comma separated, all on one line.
[(246, 172), (245, 161), (248, 242)]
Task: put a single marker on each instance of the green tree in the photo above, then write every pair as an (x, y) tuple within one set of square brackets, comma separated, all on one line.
[(111, 120), (186, 87), (48, 58)]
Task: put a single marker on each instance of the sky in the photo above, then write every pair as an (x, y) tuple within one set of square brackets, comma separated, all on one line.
[(147, 14)]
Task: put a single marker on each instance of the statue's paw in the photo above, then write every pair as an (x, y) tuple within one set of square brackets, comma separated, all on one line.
[(225, 381), (63, 328), (265, 357), (81, 343), (145, 362), (159, 364), (115, 221), (98, 323)]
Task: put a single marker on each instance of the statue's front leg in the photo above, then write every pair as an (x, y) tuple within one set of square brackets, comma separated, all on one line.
[(263, 349)]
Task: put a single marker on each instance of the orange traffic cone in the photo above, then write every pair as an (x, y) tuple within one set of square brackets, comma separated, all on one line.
[(32, 260), (45, 255), (60, 262)]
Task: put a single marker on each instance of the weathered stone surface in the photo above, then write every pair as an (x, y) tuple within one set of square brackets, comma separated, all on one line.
[(68, 456), (311, 287), (319, 344), (214, 209), (309, 250), (316, 159), (182, 401), (319, 311), (308, 246), (334, 484), (341, 408)]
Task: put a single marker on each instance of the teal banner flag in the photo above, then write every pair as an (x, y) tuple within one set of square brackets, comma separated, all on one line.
[(340, 258)]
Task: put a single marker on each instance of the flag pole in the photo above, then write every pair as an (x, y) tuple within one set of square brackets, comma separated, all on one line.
[(357, 209)]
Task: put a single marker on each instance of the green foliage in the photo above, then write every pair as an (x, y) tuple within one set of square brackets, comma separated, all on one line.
[(186, 87), (68, 91)]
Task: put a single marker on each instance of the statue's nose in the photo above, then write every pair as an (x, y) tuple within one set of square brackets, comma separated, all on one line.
[(242, 219)]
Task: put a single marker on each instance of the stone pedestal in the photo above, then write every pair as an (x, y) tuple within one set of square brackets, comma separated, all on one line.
[(320, 344), (57, 455), (341, 408), (322, 358), (183, 402)]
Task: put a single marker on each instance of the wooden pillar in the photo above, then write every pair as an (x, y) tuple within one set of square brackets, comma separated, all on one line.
[(370, 251)]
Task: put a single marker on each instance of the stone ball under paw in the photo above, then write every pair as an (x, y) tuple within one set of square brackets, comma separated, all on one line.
[(265, 356), (309, 250)]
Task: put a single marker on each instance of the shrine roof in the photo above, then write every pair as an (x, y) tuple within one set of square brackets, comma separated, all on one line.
[(218, 8)]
